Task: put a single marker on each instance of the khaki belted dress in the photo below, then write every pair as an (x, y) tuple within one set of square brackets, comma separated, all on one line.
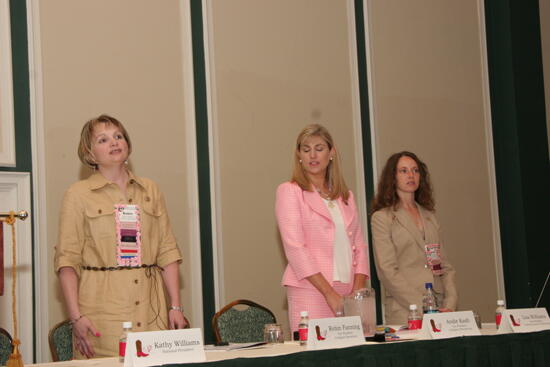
[(87, 239)]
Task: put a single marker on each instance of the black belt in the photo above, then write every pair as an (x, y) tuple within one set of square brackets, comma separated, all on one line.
[(111, 268)]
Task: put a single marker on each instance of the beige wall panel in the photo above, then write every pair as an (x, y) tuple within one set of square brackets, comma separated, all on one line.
[(277, 66), (123, 58), (544, 8), (428, 98)]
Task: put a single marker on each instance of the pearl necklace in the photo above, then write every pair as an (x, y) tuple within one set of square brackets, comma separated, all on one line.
[(326, 197)]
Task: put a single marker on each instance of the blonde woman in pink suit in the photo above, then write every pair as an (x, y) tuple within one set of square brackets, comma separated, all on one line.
[(319, 225)]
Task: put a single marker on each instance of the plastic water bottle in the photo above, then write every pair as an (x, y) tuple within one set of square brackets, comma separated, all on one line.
[(429, 303), (126, 328), (415, 320), (499, 311), (303, 327)]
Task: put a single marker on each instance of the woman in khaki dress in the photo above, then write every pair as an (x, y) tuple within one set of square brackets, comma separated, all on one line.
[(116, 253), (407, 242)]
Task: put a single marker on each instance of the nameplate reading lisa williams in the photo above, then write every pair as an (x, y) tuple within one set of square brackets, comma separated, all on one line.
[(153, 348), (335, 332), (522, 320)]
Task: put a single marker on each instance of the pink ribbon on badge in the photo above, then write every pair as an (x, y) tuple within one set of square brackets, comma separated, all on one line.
[(433, 258), (128, 235)]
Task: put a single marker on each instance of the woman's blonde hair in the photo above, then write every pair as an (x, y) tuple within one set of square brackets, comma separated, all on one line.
[(87, 135), (334, 178)]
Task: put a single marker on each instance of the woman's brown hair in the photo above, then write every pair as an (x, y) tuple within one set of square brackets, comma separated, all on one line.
[(386, 195), (87, 134), (334, 177)]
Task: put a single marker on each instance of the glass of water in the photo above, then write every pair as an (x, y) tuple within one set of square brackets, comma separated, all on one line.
[(273, 333)]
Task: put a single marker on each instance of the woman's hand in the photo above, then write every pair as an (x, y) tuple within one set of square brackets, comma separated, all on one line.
[(81, 328), (334, 300), (176, 320), (336, 303)]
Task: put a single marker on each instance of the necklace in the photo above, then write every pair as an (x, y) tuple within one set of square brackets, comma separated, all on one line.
[(326, 197)]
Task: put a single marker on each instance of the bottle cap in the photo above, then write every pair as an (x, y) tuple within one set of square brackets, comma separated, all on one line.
[(304, 314), (428, 285), (500, 302), (412, 307), (127, 325)]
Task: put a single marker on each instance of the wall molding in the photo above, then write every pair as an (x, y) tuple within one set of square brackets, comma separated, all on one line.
[(15, 194), (370, 148), (41, 263), (213, 142), (370, 86), (361, 193), (7, 117), (191, 162), (204, 166), (493, 195)]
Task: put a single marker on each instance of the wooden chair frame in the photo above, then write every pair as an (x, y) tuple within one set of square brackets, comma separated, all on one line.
[(231, 305), (53, 349)]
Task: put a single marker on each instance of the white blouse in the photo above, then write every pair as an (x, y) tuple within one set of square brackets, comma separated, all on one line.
[(342, 248)]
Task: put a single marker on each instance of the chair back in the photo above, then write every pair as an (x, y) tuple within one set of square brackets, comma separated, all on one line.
[(6, 348), (61, 341), (234, 325)]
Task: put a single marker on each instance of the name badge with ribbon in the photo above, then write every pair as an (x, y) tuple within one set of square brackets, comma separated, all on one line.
[(334, 332), (449, 325), (522, 320), (128, 234), (433, 258), (155, 348)]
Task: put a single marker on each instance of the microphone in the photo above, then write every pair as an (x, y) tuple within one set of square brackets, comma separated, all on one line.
[(542, 290)]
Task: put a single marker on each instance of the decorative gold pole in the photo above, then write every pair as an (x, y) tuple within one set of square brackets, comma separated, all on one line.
[(15, 359)]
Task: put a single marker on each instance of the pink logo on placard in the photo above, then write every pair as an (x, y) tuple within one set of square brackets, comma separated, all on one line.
[(321, 335), (139, 349), (514, 322), (435, 328)]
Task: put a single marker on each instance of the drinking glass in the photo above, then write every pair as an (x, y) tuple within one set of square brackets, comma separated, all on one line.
[(273, 333)]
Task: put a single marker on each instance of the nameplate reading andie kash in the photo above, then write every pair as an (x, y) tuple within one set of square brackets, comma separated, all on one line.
[(154, 348), (335, 332), (449, 325), (523, 320)]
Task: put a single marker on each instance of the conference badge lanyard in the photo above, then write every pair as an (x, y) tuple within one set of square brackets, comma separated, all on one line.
[(128, 234), (433, 258)]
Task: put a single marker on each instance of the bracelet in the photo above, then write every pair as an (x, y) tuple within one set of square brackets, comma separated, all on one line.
[(74, 321), (177, 308)]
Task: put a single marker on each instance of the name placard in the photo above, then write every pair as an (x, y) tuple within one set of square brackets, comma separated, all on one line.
[(334, 332), (523, 320), (449, 325), (153, 348)]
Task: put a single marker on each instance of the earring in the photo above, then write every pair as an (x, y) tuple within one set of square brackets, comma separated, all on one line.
[(300, 161), (126, 162), (331, 158)]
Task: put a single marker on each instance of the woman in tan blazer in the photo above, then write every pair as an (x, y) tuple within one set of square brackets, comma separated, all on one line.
[(404, 228)]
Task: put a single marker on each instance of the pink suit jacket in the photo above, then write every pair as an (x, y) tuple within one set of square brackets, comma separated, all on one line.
[(307, 232)]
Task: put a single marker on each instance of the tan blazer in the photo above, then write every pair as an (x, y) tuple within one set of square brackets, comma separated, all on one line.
[(400, 260)]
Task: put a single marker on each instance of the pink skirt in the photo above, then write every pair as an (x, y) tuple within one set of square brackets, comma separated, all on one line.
[(311, 300)]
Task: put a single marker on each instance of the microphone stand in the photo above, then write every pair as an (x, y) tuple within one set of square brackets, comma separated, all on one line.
[(542, 290)]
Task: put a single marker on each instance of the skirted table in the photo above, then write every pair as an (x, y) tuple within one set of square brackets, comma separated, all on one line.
[(506, 350), (517, 350)]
